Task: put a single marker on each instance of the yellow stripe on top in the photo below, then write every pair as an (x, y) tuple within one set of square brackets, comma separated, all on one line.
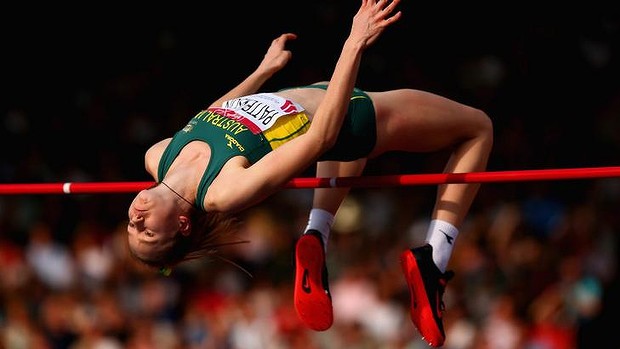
[(286, 128)]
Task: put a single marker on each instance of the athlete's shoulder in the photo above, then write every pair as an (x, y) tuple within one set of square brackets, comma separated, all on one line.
[(154, 154)]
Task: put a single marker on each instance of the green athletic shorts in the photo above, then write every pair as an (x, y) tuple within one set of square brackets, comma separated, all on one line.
[(358, 133)]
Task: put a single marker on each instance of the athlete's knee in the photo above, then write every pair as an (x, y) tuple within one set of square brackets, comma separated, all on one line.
[(482, 119), (483, 126)]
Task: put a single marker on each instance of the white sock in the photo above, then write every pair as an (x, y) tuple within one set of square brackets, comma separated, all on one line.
[(441, 235), (321, 221)]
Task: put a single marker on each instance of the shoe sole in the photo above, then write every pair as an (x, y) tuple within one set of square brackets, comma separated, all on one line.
[(424, 321), (312, 303)]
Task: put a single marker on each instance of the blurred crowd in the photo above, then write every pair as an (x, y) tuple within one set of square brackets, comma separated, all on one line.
[(536, 263)]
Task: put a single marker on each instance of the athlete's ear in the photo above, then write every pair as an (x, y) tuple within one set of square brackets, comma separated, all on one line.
[(185, 225)]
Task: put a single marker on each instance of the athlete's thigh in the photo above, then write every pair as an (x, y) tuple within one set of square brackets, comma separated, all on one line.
[(418, 121)]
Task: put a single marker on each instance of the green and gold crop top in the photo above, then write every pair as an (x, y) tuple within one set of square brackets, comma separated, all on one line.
[(249, 126)]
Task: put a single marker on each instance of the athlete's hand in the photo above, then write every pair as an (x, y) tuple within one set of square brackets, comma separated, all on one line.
[(371, 19), (277, 55)]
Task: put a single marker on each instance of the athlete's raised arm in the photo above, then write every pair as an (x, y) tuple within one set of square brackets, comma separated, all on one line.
[(260, 180), (276, 57)]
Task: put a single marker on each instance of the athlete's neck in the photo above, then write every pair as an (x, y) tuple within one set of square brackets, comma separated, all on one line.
[(177, 194)]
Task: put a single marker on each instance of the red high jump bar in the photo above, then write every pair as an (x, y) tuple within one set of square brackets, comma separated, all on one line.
[(336, 182)]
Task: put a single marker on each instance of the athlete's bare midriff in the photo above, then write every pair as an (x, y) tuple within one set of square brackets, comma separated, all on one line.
[(309, 98)]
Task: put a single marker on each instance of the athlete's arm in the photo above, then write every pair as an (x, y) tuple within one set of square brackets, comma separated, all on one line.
[(274, 60), (255, 183), (368, 24)]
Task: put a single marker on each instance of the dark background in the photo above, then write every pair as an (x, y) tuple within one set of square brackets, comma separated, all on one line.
[(81, 76)]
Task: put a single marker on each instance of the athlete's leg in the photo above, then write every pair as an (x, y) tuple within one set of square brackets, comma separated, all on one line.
[(416, 121), (326, 201), (311, 295)]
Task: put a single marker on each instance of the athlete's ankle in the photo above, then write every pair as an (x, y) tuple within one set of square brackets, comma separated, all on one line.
[(320, 220)]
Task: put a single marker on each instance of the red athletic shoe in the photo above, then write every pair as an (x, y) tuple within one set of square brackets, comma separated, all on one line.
[(426, 286), (313, 302)]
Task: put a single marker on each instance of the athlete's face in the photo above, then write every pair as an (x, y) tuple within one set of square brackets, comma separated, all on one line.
[(153, 223)]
